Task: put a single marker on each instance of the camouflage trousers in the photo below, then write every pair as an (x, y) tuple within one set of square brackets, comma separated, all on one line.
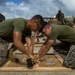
[(69, 51), (3, 51), (70, 58)]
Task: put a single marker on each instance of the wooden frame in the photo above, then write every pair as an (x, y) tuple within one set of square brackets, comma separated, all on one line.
[(39, 69)]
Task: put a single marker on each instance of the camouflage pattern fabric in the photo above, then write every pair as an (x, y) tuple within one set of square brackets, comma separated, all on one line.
[(70, 58), (69, 51), (69, 22), (10, 55), (52, 21), (3, 51)]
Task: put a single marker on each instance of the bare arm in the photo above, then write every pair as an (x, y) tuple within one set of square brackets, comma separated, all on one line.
[(29, 45), (17, 37), (34, 37), (44, 49)]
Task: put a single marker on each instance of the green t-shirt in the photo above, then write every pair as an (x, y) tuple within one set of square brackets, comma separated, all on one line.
[(18, 24), (63, 33)]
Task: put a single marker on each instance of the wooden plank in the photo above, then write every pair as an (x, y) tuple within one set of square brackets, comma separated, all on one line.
[(39, 69), (36, 45), (59, 58), (7, 64)]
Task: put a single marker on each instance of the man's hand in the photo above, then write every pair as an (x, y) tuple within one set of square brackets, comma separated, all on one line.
[(37, 63)]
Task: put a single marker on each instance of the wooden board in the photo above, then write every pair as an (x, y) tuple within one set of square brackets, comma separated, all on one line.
[(50, 62), (39, 69), (36, 45)]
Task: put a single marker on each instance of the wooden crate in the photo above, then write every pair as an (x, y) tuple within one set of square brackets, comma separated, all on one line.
[(50, 62)]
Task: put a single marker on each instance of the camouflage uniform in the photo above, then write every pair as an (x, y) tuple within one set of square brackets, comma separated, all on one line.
[(69, 51), (66, 35), (3, 51), (60, 17), (6, 33), (69, 22), (70, 58)]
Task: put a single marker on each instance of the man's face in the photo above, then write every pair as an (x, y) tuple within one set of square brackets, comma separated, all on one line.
[(46, 30), (35, 25)]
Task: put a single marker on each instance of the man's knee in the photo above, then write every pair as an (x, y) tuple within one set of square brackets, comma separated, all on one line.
[(3, 51), (70, 58)]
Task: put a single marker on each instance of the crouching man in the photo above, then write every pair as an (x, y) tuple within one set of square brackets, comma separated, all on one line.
[(63, 33), (15, 30)]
